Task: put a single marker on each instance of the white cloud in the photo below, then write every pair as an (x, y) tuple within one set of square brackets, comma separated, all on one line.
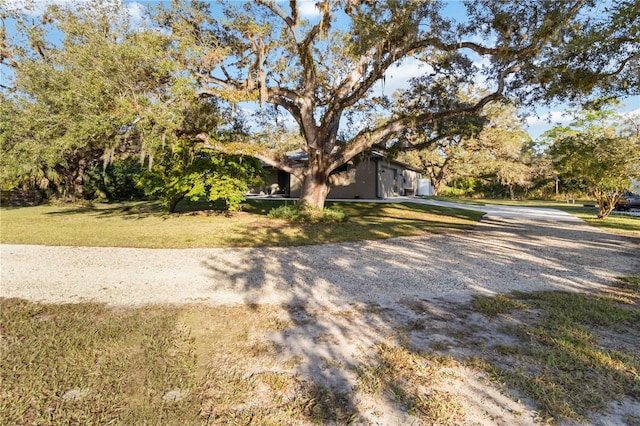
[(308, 9), (136, 11), (635, 112), (37, 8), (34, 7), (479, 78), (138, 17), (398, 76), (550, 117), (539, 124)]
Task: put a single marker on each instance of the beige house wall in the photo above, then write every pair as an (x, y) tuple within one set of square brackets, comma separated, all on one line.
[(296, 187), (411, 180), (363, 183)]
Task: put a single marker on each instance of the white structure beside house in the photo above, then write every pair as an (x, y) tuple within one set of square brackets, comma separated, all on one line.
[(425, 187)]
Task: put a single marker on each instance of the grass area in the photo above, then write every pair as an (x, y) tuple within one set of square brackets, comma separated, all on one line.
[(496, 305), (405, 375), (142, 224), (619, 224), (624, 225), (86, 364), (567, 355), (574, 353)]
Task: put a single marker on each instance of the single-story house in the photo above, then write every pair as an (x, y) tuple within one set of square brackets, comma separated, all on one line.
[(372, 177)]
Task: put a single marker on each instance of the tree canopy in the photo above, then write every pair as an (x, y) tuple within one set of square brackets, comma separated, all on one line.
[(91, 86), (598, 152), (74, 100), (106, 82), (324, 70)]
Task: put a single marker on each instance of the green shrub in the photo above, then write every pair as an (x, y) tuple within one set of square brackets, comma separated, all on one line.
[(117, 181), (186, 171), (285, 211), (295, 213)]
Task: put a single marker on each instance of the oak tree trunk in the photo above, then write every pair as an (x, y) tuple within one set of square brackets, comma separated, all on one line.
[(436, 187), (73, 177), (315, 189)]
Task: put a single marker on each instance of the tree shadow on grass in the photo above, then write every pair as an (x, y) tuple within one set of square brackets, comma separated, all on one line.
[(125, 210), (366, 221), (141, 210), (348, 299)]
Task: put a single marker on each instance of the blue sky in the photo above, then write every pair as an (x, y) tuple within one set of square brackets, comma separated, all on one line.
[(397, 76)]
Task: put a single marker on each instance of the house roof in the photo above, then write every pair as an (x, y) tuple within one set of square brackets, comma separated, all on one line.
[(297, 155), (301, 155)]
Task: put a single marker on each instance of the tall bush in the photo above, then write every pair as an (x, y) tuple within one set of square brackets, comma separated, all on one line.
[(186, 171)]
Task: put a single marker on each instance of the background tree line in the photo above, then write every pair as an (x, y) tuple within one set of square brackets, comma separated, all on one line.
[(596, 155)]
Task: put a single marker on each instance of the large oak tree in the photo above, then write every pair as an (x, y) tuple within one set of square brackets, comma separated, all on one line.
[(325, 71)]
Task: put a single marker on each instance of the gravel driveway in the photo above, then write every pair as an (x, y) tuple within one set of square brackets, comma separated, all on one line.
[(510, 249), (327, 291)]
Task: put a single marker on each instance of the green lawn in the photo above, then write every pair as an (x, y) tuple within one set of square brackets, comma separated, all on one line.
[(143, 224)]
